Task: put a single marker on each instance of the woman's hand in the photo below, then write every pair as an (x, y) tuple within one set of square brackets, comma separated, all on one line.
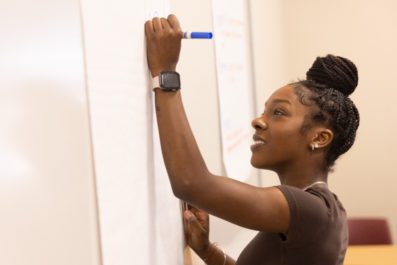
[(163, 43), (197, 228)]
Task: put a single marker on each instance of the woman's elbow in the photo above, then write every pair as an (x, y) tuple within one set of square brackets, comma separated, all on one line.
[(188, 188), (184, 190)]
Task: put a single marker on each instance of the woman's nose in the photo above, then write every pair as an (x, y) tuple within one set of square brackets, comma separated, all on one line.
[(259, 123)]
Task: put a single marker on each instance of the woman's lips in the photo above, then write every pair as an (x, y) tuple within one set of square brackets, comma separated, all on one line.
[(258, 143)]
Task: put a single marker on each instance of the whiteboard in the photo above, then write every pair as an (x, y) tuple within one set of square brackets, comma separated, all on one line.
[(139, 217), (77, 125), (235, 84), (47, 198)]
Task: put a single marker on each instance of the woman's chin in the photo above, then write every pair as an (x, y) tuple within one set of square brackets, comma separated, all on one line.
[(260, 163), (255, 163)]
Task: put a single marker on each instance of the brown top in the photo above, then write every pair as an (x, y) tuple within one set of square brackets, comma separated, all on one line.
[(317, 234)]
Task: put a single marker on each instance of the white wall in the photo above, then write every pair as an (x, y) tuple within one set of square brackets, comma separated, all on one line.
[(47, 200), (364, 31), (139, 216)]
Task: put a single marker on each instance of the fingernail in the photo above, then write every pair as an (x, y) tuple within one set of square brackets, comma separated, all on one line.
[(187, 214)]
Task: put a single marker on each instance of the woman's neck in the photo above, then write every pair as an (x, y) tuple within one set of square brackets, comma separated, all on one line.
[(302, 178)]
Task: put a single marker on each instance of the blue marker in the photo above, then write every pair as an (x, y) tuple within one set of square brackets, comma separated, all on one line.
[(197, 35)]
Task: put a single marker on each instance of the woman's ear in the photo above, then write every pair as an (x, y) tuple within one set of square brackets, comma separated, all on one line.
[(322, 138)]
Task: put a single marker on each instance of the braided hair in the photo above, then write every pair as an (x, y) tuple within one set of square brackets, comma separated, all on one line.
[(329, 82)]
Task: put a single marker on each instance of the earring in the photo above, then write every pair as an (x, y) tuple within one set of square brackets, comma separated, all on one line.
[(314, 146)]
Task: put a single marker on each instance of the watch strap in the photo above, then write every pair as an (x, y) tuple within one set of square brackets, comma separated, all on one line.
[(155, 82)]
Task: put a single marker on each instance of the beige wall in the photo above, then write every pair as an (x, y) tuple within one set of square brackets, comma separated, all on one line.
[(364, 31), (270, 61)]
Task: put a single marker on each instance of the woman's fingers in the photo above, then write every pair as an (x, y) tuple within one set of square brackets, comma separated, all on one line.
[(189, 216), (157, 24), (148, 28), (165, 24), (186, 227), (174, 22), (200, 214), (192, 220), (196, 235), (163, 45)]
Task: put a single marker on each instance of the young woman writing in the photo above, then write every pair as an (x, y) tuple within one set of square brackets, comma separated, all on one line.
[(304, 128)]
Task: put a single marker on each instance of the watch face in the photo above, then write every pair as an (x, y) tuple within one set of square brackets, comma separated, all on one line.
[(169, 80)]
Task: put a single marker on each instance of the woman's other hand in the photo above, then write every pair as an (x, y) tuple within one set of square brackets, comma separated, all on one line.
[(197, 228), (163, 43)]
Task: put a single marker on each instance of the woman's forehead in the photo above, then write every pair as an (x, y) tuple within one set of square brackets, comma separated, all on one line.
[(288, 96), (285, 94)]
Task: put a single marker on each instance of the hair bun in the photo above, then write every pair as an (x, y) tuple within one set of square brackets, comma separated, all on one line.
[(335, 72)]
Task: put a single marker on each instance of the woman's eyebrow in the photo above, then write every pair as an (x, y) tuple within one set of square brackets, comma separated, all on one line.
[(277, 100)]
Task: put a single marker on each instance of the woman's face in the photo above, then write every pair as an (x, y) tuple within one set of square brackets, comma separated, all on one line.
[(278, 140)]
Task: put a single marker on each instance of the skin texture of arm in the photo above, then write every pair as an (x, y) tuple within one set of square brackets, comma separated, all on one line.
[(262, 209)]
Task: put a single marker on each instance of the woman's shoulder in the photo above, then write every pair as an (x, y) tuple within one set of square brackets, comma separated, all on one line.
[(330, 199), (313, 205), (313, 212), (314, 194)]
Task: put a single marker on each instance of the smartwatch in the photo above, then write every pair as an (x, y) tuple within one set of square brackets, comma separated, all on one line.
[(167, 81)]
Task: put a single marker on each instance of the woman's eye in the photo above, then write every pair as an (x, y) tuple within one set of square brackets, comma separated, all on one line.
[(278, 112)]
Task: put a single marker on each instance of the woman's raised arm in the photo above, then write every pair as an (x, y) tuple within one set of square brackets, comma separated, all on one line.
[(263, 209)]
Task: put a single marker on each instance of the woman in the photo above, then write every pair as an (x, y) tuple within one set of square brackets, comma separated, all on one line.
[(304, 128)]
